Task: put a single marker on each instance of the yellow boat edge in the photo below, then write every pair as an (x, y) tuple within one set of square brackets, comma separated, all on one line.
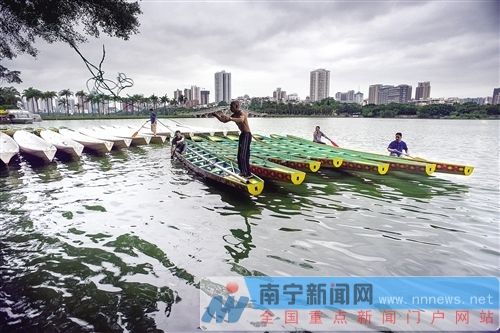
[(314, 166), (430, 168), (298, 177), (337, 162), (468, 170), (383, 168), (255, 187)]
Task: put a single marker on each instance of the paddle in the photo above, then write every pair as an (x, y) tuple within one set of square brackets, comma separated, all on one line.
[(333, 143), (137, 132)]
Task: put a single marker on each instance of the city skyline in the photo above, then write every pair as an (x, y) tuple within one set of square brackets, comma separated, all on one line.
[(360, 44)]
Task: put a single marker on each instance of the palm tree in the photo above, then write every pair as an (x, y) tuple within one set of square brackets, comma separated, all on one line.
[(34, 95), (66, 93), (154, 99), (81, 96), (136, 99), (164, 100), (115, 98), (9, 96), (47, 97)]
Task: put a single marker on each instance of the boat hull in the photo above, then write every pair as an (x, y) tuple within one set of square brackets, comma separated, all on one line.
[(66, 147), (34, 147), (252, 186), (8, 148), (91, 145)]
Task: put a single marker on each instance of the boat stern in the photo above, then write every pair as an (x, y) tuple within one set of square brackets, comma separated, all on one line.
[(255, 186)]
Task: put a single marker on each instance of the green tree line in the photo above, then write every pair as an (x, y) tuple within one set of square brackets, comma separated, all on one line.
[(330, 107)]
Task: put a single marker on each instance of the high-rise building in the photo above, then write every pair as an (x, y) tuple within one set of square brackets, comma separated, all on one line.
[(345, 97), (195, 95), (204, 97), (358, 97), (319, 84), (188, 96), (423, 90), (178, 95), (373, 93), (384, 94), (496, 96), (222, 87), (279, 95)]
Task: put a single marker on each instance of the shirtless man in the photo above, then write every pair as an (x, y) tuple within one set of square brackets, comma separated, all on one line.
[(241, 120)]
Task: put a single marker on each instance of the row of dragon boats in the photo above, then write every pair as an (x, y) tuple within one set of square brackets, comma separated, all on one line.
[(212, 154)]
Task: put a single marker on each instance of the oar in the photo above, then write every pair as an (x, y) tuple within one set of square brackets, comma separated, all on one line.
[(137, 132), (218, 165), (333, 143)]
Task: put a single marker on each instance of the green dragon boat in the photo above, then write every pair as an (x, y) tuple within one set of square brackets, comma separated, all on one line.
[(443, 167), (261, 167), (395, 163), (327, 158), (271, 154), (219, 169)]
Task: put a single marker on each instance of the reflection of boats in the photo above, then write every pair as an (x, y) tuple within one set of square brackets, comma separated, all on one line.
[(34, 146), (64, 145), (89, 143), (8, 148), (118, 142), (215, 167), (261, 167)]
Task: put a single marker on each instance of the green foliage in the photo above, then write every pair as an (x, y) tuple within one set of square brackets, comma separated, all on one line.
[(222, 103), (66, 21)]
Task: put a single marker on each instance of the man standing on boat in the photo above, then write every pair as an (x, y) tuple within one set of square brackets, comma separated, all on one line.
[(397, 146), (153, 120), (241, 120)]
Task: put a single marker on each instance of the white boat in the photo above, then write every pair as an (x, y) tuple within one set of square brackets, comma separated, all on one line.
[(8, 148), (118, 142), (34, 146), (91, 144), (64, 145), (124, 132)]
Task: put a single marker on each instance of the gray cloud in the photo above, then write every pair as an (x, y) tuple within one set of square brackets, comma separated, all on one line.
[(277, 43)]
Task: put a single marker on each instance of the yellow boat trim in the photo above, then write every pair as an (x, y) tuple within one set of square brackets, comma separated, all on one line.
[(232, 137), (430, 168), (255, 187), (314, 165), (337, 162), (383, 168), (468, 170), (298, 177), (214, 138), (196, 138)]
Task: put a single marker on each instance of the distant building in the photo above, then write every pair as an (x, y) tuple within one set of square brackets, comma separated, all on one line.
[(279, 95), (319, 85), (188, 95), (385, 94), (496, 96), (373, 93), (178, 95), (358, 97), (345, 97), (195, 95), (204, 97), (423, 91), (222, 87), (292, 97)]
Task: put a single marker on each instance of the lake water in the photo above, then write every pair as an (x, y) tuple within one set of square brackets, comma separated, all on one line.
[(119, 243)]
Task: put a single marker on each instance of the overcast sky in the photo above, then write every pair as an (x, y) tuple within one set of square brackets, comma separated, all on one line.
[(270, 44)]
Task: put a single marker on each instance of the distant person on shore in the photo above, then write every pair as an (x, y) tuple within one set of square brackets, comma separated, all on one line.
[(241, 120), (317, 137), (178, 144), (153, 120), (397, 146)]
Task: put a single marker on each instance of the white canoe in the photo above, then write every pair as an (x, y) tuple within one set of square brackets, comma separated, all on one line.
[(8, 148), (34, 146), (100, 134), (63, 144), (92, 144), (124, 132)]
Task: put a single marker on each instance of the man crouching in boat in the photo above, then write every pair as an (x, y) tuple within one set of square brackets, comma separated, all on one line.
[(241, 120), (397, 146), (178, 144)]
